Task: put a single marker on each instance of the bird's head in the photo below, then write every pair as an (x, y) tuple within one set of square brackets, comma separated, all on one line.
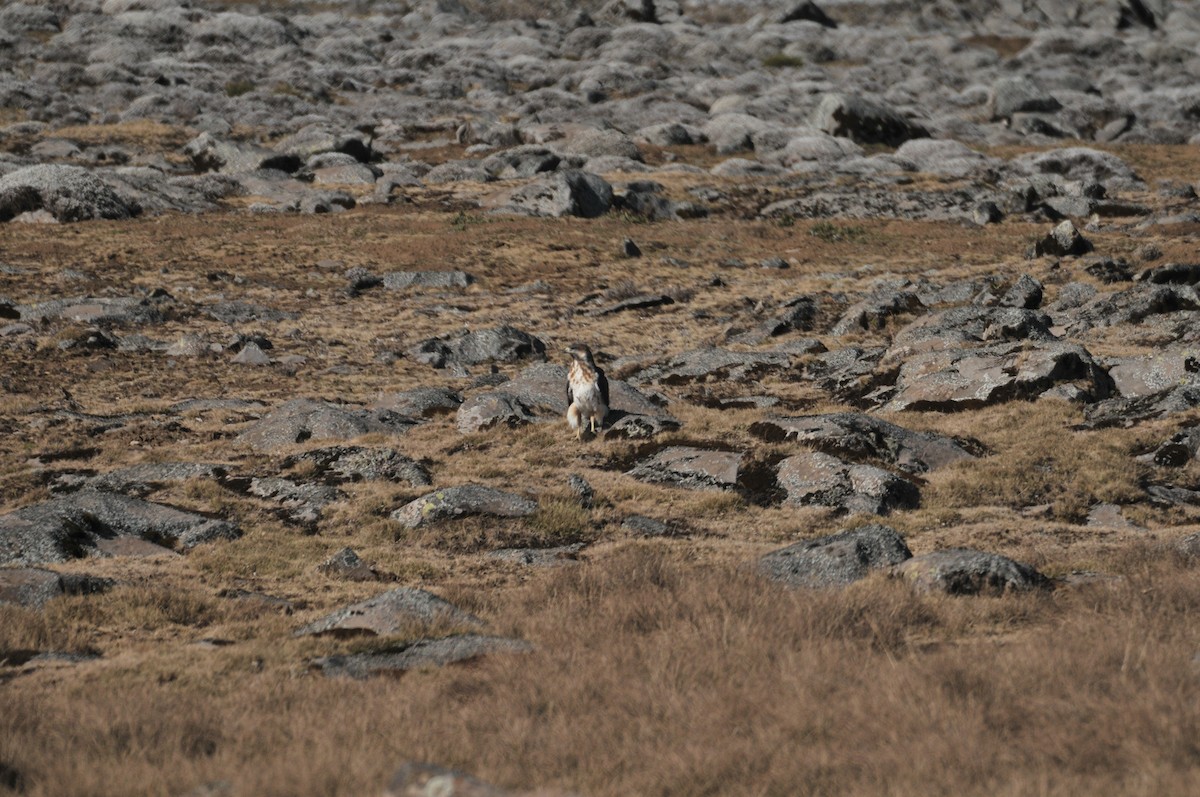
[(581, 352)]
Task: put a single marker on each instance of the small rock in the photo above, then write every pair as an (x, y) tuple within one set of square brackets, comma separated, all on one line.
[(630, 249), (1026, 293), (987, 213), (1063, 240), (642, 526), (582, 490), (251, 354), (1105, 515)]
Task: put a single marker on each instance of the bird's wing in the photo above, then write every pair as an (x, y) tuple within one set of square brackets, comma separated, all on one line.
[(570, 394), (602, 383)]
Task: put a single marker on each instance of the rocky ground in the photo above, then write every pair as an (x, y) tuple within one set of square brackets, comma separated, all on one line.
[(899, 488)]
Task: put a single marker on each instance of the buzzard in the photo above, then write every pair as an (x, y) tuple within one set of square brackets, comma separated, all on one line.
[(587, 391)]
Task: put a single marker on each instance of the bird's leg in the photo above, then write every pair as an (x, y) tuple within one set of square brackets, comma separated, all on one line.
[(593, 420)]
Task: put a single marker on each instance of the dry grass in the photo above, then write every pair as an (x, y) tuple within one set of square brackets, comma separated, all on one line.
[(1036, 459), (656, 675)]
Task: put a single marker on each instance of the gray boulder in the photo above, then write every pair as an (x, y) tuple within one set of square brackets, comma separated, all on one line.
[(210, 154), (74, 526), (1129, 411), (858, 436), (969, 326), (670, 134), (318, 139), (873, 312), (864, 121), (103, 310), (816, 479), (539, 393), (524, 161), (961, 571), (462, 501), (421, 654), (561, 193), (594, 143), (340, 464), (942, 157), (398, 280), (836, 560), (804, 11), (1080, 164), (1025, 293), (139, 480), (1153, 374), (392, 612), (631, 426), (492, 409), (347, 565), (69, 193), (421, 402), (302, 419), (957, 379), (713, 363), (1132, 306), (1172, 274), (693, 468), (1181, 448), (503, 344), (299, 503), (1063, 240), (1014, 95), (32, 587)]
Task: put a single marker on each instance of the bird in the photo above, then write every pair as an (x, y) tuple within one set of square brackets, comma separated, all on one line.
[(587, 391)]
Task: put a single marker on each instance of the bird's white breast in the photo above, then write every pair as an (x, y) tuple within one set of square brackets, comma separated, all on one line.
[(587, 396)]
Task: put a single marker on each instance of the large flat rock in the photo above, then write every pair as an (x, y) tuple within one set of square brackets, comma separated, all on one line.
[(713, 363), (424, 653), (693, 468), (463, 501), (957, 378), (858, 436), (539, 393), (299, 420), (73, 526), (390, 613)]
